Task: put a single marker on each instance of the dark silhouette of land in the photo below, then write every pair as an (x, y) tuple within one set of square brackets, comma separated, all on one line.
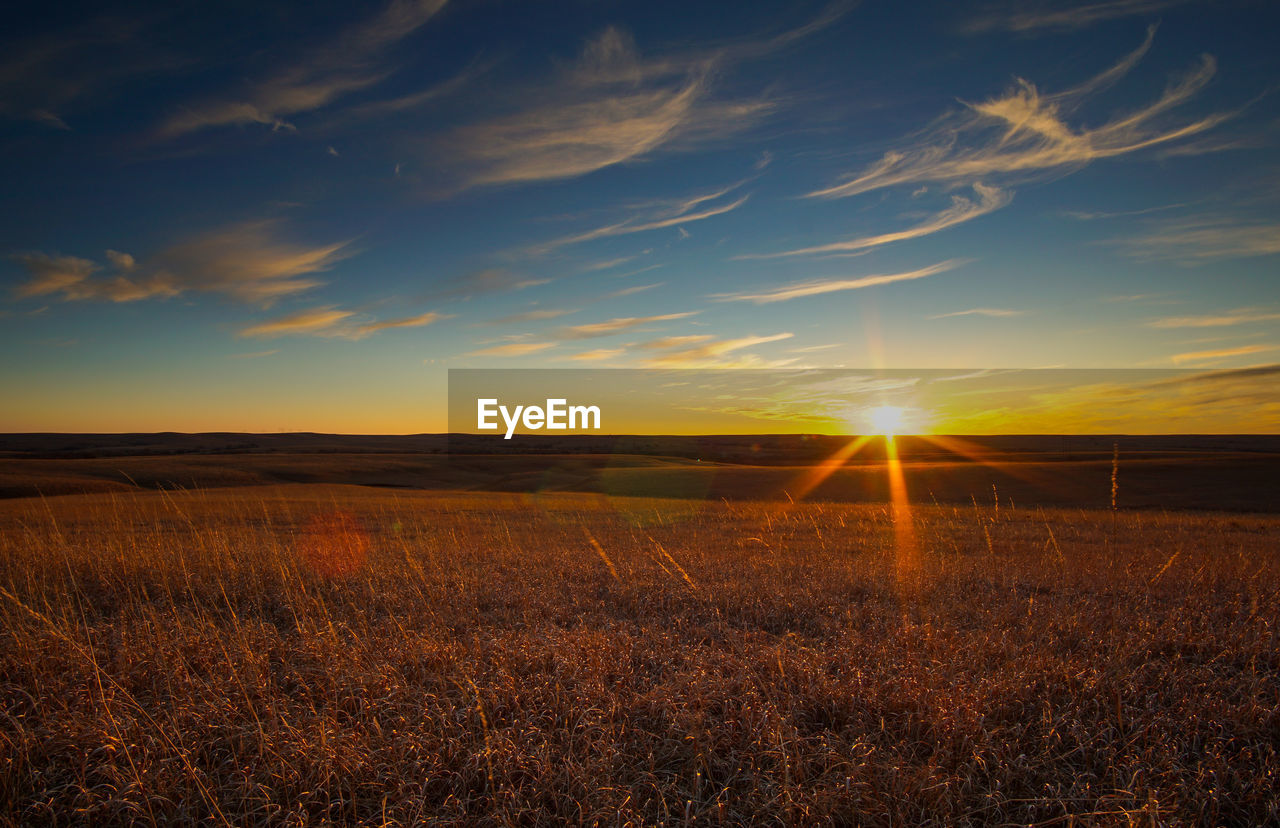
[(1219, 472)]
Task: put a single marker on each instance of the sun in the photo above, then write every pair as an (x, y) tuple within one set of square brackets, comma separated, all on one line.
[(886, 419)]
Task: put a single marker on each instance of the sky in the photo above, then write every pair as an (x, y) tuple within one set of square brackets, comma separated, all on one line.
[(298, 217)]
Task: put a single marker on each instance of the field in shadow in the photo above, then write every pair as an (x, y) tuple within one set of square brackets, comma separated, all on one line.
[(1223, 473)]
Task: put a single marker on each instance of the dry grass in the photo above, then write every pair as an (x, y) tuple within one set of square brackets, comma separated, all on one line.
[(301, 655)]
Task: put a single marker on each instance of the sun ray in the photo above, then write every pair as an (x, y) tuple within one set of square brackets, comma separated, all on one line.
[(815, 475), (981, 455), (906, 547)]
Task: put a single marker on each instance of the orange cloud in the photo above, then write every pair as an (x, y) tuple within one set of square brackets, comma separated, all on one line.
[(335, 322), (623, 323), (248, 262), (515, 349), (597, 355), (819, 286), (712, 354), (1222, 353), (1241, 316)]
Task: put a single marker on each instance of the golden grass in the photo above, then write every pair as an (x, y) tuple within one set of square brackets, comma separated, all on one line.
[(301, 655)]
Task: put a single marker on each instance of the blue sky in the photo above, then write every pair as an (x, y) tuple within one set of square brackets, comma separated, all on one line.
[(298, 217)]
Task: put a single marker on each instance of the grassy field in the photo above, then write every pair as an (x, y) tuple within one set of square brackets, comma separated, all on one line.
[(302, 654)]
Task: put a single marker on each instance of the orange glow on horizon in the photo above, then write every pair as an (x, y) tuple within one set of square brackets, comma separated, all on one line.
[(887, 419)]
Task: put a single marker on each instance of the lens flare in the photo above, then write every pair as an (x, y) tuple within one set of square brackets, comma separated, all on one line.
[(334, 544)]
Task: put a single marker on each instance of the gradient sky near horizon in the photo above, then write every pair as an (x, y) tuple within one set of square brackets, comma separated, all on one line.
[(263, 217)]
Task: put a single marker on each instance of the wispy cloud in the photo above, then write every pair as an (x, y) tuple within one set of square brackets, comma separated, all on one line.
[(314, 322), (532, 316), (1222, 353), (636, 272), (44, 77), (715, 354), (572, 139), (1226, 375), (961, 210), (333, 322), (1029, 17), (121, 261), (1204, 238), (354, 62), (813, 349), (669, 208), (483, 282), (1240, 316), (363, 330), (256, 354), (1025, 132), (618, 325), (614, 105), (248, 262), (651, 217), (979, 312), (401, 104), (607, 264), (629, 291), (70, 276), (1139, 297), (667, 342), (1084, 215), (515, 349), (597, 355), (820, 286)]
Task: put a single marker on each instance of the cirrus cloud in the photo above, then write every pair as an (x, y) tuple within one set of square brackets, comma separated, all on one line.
[(598, 355), (961, 210), (1222, 353), (817, 287), (350, 64), (715, 354), (333, 322), (1023, 17), (514, 349), (994, 312), (618, 325), (249, 262), (1240, 316), (1198, 239), (1026, 132), (614, 105), (651, 217)]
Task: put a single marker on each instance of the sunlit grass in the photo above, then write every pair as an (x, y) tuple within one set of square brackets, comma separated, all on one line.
[(295, 655)]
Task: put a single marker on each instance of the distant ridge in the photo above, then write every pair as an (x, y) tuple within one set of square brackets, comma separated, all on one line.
[(753, 449)]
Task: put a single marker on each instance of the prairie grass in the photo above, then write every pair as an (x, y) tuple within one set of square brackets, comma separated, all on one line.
[(301, 655)]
